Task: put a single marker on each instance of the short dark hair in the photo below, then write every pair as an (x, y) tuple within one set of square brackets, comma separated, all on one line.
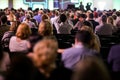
[(100, 14), (63, 17), (82, 16), (3, 19), (104, 18), (88, 23), (91, 15), (84, 36)]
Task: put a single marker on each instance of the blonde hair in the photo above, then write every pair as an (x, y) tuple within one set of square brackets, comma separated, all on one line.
[(23, 31), (110, 20), (45, 16), (14, 26), (95, 44), (47, 46), (45, 28)]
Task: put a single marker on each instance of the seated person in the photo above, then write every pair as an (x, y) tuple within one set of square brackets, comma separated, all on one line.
[(44, 57), (90, 68), (81, 48), (20, 43)]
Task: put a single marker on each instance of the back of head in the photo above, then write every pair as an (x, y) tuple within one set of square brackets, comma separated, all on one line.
[(14, 26), (45, 16), (23, 31), (83, 36), (118, 13), (104, 18), (100, 14), (91, 68), (45, 28), (114, 16), (21, 68), (63, 17), (91, 16), (82, 16), (88, 23), (45, 52), (4, 19), (110, 20)]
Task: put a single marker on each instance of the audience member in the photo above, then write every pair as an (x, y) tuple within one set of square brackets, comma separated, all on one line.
[(62, 26), (91, 68), (91, 19), (20, 43), (7, 35), (44, 58), (81, 48), (79, 24), (104, 28), (3, 27)]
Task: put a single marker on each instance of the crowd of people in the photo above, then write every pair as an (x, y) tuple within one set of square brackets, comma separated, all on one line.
[(32, 44)]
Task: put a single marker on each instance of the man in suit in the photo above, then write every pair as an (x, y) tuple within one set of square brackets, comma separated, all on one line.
[(72, 56)]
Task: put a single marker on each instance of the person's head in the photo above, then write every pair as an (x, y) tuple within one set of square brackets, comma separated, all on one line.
[(90, 68), (45, 16), (87, 28), (84, 37), (100, 14), (110, 20), (21, 68), (23, 31), (14, 26), (40, 12), (45, 28), (114, 16), (45, 52), (118, 13), (3, 19), (80, 3), (95, 9), (91, 16), (63, 18), (104, 18), (82, 17), (88, 23), (56, 13), (28, 17)]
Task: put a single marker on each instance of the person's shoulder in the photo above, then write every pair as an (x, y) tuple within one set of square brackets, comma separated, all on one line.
[(116, 47)]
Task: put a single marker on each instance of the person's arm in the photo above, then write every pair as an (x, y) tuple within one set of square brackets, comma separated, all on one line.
[(28, 45)]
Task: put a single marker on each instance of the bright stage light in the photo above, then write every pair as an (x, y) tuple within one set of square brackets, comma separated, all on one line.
[(101, 5)]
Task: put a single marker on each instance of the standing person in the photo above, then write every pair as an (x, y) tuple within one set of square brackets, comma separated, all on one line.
[(81, 6), (88, 6)]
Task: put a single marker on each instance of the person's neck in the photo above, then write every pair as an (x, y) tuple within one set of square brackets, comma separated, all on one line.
[(47, 70), (104, 22)]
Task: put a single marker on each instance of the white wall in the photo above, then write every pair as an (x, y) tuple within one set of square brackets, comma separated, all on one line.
[(19, 4), (3, 4), (103, 4)]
